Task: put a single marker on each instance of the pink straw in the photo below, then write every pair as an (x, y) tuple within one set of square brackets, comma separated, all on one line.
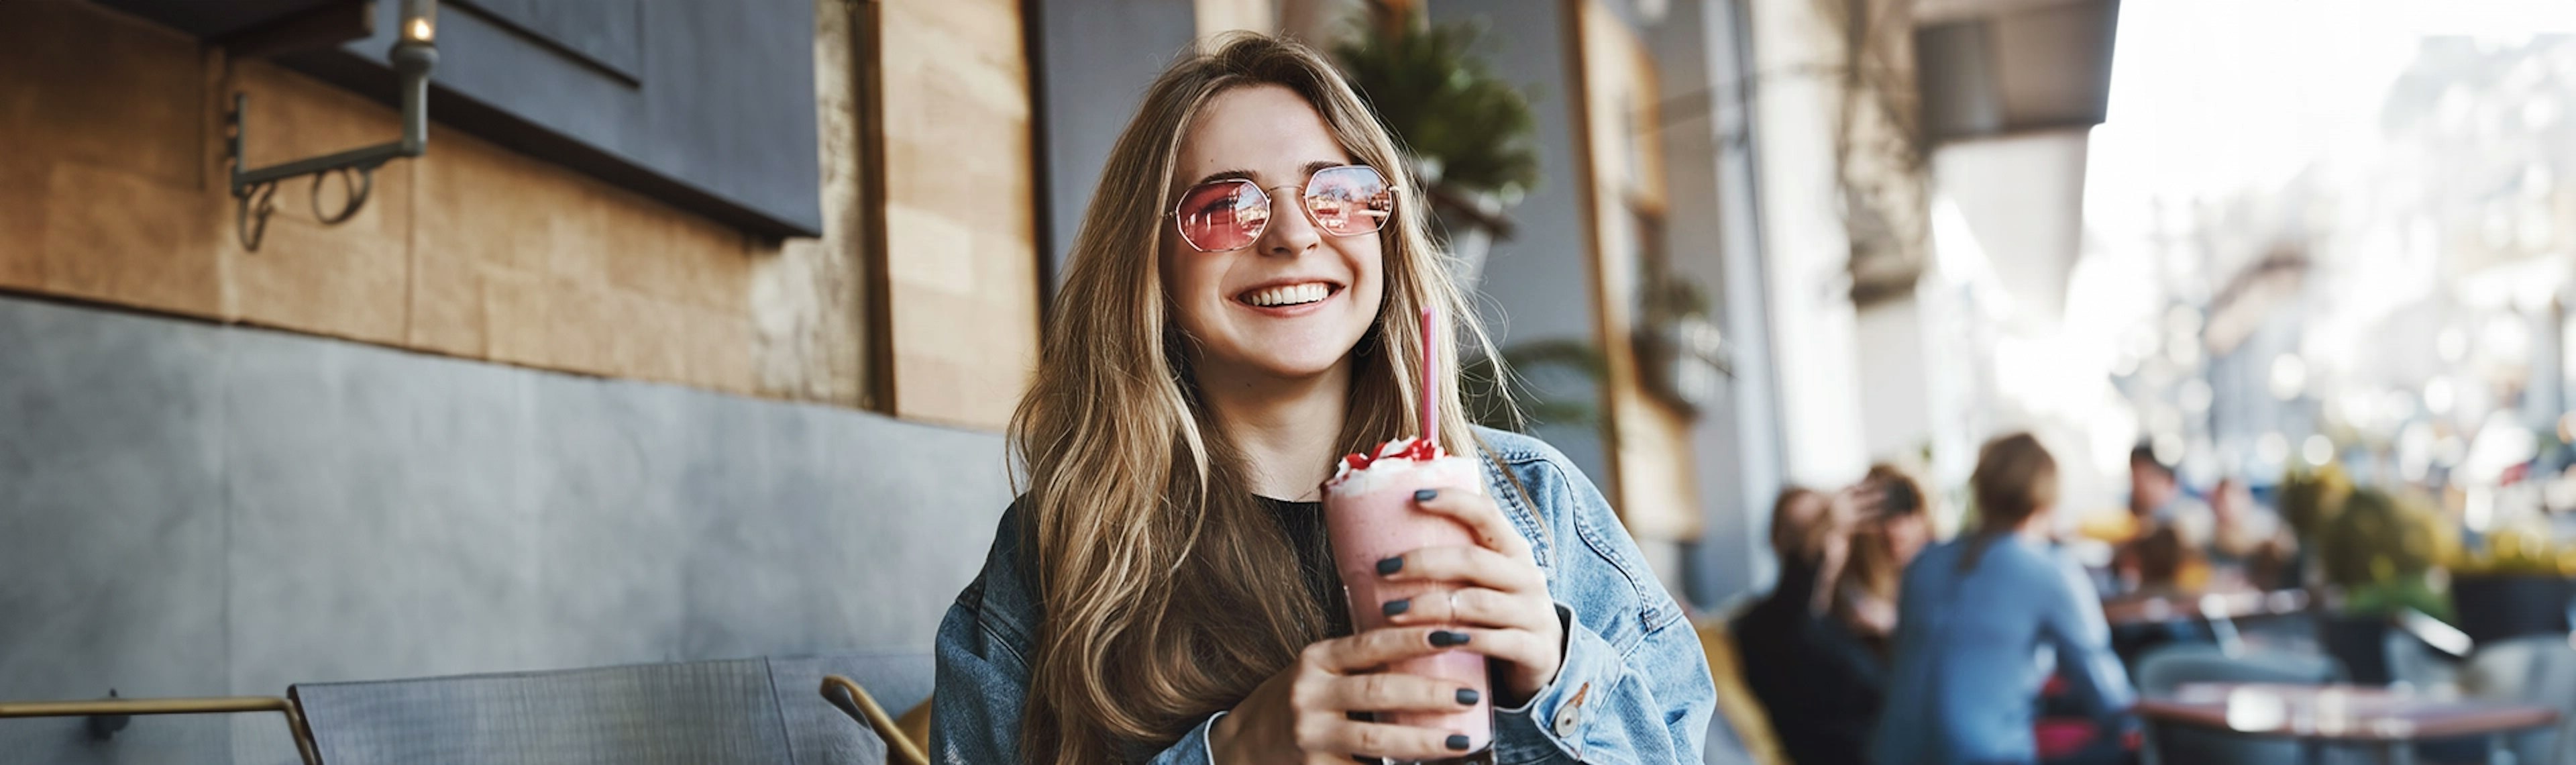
[(1430, 412)]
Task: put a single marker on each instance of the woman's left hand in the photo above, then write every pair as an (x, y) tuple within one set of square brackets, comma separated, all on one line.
[(1500, 601)]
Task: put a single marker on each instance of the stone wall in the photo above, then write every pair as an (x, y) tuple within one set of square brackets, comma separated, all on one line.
[(194, 510)]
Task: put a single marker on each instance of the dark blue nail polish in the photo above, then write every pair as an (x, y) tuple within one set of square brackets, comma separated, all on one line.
[(1468, 696), (1394, 607), (1445, 638), (1425, 495), (1458, 742), (1390, 565)]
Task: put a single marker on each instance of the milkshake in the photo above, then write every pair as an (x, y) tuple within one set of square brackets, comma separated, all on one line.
[(1370, 515)]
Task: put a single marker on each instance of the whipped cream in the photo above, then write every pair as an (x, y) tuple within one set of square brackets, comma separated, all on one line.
[(1403, 460)]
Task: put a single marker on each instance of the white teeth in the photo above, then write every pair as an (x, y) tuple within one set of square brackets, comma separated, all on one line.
[(1294, 294)]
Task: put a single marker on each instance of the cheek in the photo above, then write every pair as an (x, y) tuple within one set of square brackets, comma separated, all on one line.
[(1188, 279), (1365, 256)]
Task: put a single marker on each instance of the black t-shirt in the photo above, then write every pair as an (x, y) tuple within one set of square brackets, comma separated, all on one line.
[(1303, 522)]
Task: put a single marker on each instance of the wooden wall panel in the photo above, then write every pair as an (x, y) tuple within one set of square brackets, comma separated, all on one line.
[(113, 190), (959, 209)]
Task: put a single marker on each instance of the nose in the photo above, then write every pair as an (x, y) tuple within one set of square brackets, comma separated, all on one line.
[(1290, 231)]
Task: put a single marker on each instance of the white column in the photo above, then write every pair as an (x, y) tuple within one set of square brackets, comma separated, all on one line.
[(1804, 243)]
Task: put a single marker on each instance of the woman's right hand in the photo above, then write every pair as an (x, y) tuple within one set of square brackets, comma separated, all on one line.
[(1301, 715)]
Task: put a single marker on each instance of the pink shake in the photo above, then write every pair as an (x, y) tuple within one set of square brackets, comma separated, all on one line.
[(1369, 512)]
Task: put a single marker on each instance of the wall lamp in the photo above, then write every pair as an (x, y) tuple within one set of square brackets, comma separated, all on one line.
[(415, 52)]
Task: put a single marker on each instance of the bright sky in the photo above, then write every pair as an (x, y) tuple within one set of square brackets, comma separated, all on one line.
[(2212, 96)]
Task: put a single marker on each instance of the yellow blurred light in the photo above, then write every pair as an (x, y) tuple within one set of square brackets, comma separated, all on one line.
[(420, 30)]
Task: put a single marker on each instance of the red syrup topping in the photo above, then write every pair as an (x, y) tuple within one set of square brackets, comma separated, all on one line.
[(1419, 451)]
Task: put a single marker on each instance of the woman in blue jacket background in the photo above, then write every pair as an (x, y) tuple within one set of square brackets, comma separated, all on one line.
[(1977, 613)]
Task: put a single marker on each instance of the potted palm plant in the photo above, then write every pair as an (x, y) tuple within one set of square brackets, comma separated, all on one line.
[(1469, 132), (2379, 551)]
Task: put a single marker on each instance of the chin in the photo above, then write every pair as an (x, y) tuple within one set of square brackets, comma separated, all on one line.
[(1295, 365)]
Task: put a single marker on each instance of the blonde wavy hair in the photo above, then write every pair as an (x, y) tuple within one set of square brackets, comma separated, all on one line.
[(1168, 591)]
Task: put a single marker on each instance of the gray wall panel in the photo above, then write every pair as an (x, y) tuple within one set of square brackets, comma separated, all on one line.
[(110, 532), (188, 509), (1096, 59), (376, 524)]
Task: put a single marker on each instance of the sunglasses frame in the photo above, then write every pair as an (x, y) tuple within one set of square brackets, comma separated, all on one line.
[(1266, 201)]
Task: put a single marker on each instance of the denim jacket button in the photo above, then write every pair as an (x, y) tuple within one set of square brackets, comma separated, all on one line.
[(1568, 716)]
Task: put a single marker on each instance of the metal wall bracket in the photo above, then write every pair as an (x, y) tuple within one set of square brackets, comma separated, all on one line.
[(414, 54)]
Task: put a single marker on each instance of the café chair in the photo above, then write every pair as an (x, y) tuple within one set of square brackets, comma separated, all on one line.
[(694, 713), (1737, 709), (846, 695), (109, 716), (915, 724), (2536, 669)]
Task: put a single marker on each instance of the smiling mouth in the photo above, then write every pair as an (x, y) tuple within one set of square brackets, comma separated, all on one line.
[(1288, 295)]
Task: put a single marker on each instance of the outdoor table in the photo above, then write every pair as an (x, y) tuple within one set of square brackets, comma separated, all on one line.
[(2223, 606), (2391, 720), (2219, 609)]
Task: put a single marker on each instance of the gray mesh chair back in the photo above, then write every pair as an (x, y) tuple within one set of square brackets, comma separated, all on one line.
[(897, 680), (2537, 669), (698, 713), (2167, 669)]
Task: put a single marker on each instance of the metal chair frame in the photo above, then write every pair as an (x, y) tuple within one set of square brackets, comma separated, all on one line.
[(116, 710)]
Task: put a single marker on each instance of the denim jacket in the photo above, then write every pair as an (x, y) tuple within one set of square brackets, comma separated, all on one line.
[(1965, 683), (1634, 686)]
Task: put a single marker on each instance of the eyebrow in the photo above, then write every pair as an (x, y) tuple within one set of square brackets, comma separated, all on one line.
[(1306, 172)]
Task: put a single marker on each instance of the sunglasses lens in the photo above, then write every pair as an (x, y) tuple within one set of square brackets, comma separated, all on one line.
[(1349, 200), (1223, 215)]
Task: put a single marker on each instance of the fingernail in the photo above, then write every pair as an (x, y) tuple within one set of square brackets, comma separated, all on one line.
[(1458, 742), (1425, 495), (1390, 565), (1367, 760), (1394, 607), (1445, 638), (1468, 696)]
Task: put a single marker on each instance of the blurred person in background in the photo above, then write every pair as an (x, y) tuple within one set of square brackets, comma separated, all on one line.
[(1973, 614), (1238, 314), (1882, 543), (1818, 678), (2250, 538), (2156, 498), (2169, 529)]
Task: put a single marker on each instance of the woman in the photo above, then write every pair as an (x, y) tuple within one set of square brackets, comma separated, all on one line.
[(1864, 597), (1235, 318), (1818, 683), (1975, 611)]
